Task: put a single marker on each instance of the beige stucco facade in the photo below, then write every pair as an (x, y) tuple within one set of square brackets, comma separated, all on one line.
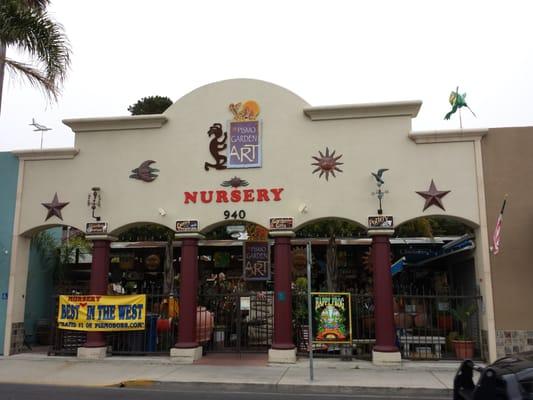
[(369, 137)]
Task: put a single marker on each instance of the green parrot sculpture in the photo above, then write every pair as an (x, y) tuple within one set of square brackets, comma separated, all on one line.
[(457, 101)]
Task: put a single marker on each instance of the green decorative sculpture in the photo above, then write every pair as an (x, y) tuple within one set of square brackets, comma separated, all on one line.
[(457, 102)]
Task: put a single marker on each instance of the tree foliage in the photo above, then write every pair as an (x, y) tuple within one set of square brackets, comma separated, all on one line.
[(150, 105), (25, 25)]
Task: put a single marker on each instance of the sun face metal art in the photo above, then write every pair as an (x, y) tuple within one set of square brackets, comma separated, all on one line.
[(327, 164)]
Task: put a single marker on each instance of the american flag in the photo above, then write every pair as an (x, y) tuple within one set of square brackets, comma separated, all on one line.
[(496, 236)]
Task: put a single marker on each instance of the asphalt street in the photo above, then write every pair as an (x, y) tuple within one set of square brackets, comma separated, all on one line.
[(170, 391)]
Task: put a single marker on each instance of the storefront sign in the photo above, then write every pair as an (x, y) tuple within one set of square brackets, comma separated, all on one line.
[(281, 223), (233, 196), (96, 228), (244, 150), (188, 225), (332, 317), (102, 313), (245, 303), (256, 260), (380, 221)]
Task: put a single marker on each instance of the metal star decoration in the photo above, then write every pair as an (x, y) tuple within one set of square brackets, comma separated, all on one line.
[(433, 196), (54, 208)]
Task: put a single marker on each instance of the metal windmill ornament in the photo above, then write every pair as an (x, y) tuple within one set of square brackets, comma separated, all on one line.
[(378, 176)]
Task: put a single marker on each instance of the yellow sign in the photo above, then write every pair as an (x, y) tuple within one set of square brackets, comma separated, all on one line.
[(102, 313)]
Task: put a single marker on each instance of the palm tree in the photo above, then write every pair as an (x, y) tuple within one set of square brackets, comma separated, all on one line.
[(26, 26)]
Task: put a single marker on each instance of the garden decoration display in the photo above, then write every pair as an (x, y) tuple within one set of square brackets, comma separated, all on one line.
[(457, 101), (327, 164), (433, 196), (144, 172)]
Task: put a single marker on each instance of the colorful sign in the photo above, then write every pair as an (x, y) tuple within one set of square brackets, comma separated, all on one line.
[(188, 225), (96, 228), (244, 150), (281, 223), (332, 317), (102, 313), (256, 260), (380, 221)]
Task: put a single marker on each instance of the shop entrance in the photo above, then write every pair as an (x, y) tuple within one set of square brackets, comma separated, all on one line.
[(235, 289)]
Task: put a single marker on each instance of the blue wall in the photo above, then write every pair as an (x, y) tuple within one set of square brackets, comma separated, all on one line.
[(8, 189)]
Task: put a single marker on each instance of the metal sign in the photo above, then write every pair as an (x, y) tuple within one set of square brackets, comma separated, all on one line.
[(244, 150), (94, 228), (332, 317), (281, 223), (256, 261), (187, 225), (381, 221)]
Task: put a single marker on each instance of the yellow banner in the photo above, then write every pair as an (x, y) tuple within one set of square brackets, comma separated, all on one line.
[(102, 313)]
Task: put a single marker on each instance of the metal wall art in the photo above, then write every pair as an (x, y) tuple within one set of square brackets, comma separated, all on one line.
[(217, 144), (144, 172), (54, 208), (433, 196), (235, 182), (327, 164)]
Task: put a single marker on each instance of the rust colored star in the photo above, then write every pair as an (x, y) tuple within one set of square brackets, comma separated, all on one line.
[(433, 196), (54, 208)]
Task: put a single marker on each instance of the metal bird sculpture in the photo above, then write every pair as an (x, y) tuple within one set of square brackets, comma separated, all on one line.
[(379, 176), (144, 172), (457, 102)]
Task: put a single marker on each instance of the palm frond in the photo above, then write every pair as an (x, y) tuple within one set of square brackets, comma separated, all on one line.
[(31, 30), (34, 76)]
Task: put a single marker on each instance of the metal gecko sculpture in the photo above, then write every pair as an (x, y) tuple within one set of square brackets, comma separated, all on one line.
[(144, 172), (457, 101), (217, 144)]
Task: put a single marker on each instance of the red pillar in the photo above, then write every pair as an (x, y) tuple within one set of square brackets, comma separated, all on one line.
[(282, 294), (98, 283), (383, 296), (188, 293)]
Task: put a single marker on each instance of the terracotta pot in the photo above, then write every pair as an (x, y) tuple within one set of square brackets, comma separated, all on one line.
[(204, 324), (464, 349), (445, 322), (163, 324), (403, 320)]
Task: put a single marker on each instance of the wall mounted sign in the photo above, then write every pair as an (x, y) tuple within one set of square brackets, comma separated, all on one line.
[(54, 208), (327, 164), (233, 196), (244, 149), (144, 172), (380, 221), (281, 223), (245, 303), (102, 313), (96, 228), (332, 317), (217, 144), (187, 225), (256, 261), (433, 196)]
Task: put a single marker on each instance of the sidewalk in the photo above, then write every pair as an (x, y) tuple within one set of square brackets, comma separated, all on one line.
[(329, 374)]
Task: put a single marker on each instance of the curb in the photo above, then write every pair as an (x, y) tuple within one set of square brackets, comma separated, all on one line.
[(287, 388)]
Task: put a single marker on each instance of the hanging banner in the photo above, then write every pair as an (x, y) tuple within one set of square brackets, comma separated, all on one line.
[(332, 317), (102, 313), (256, 260)]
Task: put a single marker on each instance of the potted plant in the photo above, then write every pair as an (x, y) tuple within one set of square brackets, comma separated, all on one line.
[(463, 344)]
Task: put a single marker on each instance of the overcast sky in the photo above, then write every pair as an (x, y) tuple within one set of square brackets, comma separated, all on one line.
[(327, 52)]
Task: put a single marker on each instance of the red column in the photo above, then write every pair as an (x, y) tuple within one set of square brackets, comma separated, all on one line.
[(383, 296), (188, 293), (98, 284), (282, 294)]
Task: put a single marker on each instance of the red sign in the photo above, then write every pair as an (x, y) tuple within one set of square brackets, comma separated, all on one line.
[(233, 196)]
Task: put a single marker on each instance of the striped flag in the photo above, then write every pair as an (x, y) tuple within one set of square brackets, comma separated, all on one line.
[(496, 236)]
